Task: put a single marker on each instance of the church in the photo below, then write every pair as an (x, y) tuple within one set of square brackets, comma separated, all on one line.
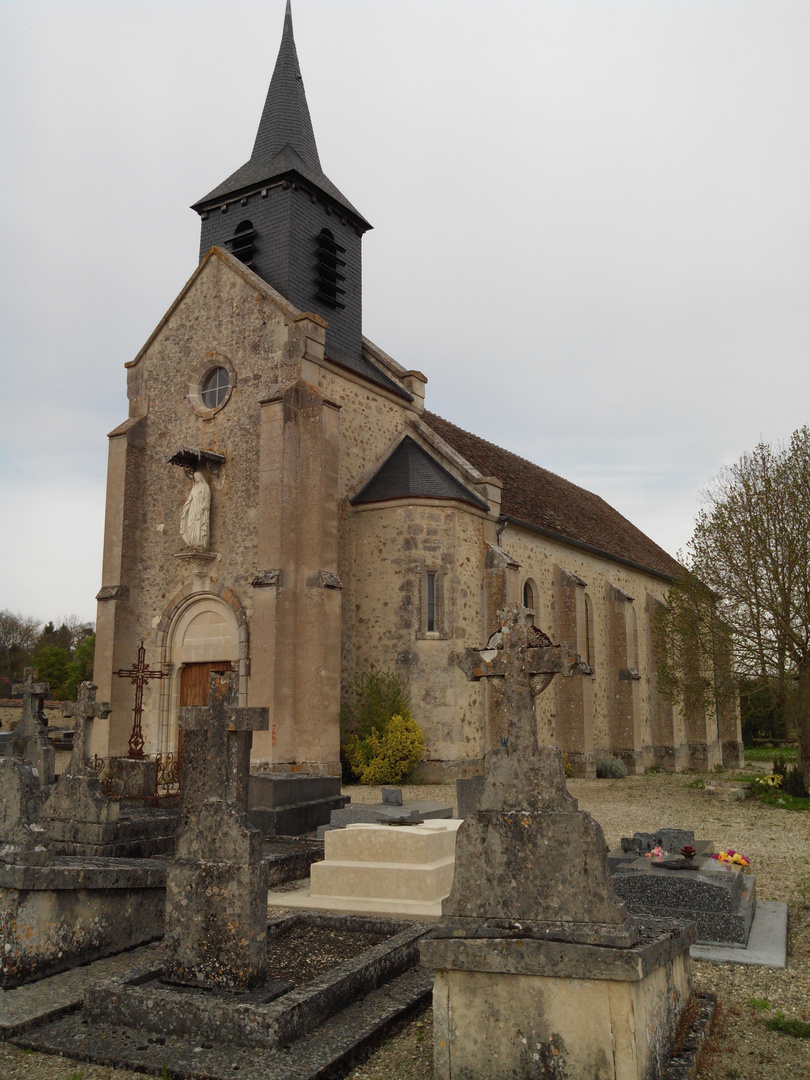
[(282, 503)]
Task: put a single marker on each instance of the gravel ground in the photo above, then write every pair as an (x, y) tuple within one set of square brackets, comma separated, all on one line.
[(742, 1048)]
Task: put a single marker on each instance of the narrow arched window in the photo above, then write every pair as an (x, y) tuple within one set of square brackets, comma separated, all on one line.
[(329, 270), (590, 651), (528, 596), (243, 242)]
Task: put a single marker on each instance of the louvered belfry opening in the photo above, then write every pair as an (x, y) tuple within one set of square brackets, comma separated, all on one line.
[(329, 275), (243, 242)]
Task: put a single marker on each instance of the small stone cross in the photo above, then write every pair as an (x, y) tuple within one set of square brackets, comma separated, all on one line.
[(84, 710), (33, 694), (526, 660), (216, 744), (216, 886), (31, 740)]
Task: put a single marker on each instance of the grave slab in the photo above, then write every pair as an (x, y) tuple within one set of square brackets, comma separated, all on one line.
[(767, 940), (397, 871), (379, 813), (716, 896)]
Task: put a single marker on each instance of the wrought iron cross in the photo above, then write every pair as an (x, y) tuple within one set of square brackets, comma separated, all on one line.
[(84, 710), (139, 675)]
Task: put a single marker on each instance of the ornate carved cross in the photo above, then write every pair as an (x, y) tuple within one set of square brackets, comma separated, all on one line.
[(84, 710), (527, 661), (140, 675)]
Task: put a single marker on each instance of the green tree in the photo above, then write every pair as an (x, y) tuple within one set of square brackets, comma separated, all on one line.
[(80, 668), (751, 550), (52, 662)]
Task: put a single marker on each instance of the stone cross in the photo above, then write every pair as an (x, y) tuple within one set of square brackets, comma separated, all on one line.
[(84, 711), (528, 855), (216, 886), (139, 675), (30, 737), (216, 744), (526, 660)]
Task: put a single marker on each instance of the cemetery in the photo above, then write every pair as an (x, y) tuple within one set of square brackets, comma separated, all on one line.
[(226, 946)]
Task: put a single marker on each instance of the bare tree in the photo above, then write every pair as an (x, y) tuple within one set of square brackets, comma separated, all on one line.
[(751, 548), (18, 636)]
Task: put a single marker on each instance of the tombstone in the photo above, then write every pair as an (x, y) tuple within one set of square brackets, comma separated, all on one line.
[(77, 798), (532, 936), (31, 742), (21, 839), (216, 887)]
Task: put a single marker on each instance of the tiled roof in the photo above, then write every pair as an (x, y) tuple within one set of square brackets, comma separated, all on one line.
[(542, 499), (410, 472)]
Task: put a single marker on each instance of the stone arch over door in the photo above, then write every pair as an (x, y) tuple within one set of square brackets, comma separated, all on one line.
[(199, 628)]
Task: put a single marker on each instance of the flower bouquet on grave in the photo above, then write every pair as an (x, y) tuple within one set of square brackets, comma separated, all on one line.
[(732, 856), (688, 852), (657, 853)]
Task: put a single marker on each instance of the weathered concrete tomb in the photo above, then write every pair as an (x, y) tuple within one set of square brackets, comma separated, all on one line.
[(533, 938), (281, 503)]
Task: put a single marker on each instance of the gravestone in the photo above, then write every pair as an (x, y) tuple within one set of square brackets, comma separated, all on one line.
[(31, 742), (216, 887), (22, 840), (533, 937), (77, 806)]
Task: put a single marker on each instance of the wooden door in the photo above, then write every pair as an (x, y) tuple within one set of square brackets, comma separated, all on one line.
[(194, 680)]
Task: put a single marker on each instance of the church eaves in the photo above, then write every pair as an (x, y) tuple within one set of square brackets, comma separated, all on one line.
[(409, 472), (285, 141), (541, 500)]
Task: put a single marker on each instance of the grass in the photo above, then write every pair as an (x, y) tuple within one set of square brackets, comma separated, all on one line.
[(768, 753), (783, 801), (759, 1003), (798, 1029), (698, 783)]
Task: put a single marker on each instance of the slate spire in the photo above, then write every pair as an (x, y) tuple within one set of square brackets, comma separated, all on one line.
[(285, 118), (285, 141)]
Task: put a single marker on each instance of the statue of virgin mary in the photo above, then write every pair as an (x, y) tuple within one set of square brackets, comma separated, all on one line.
[(196, 516)]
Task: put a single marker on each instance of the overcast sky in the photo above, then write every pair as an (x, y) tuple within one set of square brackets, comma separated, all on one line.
[(592, 229)]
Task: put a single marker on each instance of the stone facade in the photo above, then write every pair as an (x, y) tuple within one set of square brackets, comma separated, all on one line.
[(305, 581)]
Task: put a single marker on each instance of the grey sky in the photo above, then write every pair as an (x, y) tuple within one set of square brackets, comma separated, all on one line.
[(592, 229)]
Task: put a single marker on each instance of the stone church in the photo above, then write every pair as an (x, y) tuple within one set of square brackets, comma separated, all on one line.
[(281, 503)]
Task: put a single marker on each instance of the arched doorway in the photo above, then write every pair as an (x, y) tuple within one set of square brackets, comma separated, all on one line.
[(203, 636)]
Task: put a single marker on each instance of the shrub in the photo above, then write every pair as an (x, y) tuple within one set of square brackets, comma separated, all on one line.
[(386, 758), (610, 768), (373, 697)]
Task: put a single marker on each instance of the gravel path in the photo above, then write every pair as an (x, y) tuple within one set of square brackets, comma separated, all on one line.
[(742, 1048)]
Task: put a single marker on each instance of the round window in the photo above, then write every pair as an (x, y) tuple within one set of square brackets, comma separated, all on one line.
[(215, 387)]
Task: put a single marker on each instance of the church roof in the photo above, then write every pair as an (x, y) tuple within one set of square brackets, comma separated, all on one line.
[(410, 472), (285, 141), (540, 499)]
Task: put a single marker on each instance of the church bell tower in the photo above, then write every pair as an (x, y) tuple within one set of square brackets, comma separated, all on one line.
[(281, 216)]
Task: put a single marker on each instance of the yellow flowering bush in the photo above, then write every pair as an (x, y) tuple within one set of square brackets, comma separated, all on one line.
[(386, 758)]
